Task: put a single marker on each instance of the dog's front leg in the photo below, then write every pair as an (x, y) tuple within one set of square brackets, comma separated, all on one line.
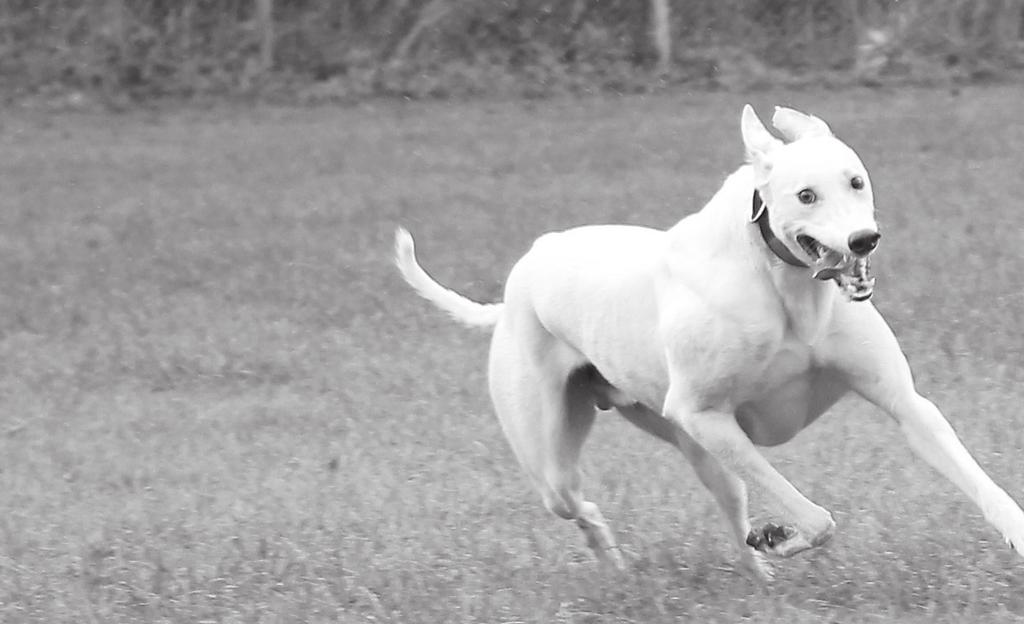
[(717, 432), (865, 350), (932, 438)]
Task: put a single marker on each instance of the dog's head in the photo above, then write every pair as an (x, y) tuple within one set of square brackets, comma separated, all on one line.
[(818, 195)]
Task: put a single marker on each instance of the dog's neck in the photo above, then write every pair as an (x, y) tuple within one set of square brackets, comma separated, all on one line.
[(759, 215), (808, 302)]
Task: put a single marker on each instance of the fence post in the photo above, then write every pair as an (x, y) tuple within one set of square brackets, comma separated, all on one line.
[(661, 35), (265, 19)]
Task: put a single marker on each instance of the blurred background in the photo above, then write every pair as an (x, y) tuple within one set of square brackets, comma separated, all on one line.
[(314, 50)]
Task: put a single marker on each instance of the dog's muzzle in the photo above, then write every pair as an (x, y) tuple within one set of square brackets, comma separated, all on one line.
[(851, 273), (857, 284)]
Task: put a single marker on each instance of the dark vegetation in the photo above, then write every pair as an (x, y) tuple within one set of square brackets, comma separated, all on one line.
[(313, 50)]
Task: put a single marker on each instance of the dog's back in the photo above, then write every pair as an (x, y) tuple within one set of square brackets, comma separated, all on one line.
[(593, 289)]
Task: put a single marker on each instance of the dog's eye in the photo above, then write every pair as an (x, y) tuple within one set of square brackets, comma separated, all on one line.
[(857, 183), (807, 196)]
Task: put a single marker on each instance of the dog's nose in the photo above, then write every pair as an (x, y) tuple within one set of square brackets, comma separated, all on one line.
[(863, 242)]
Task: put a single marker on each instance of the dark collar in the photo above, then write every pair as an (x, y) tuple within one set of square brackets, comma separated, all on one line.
[(759, 215)]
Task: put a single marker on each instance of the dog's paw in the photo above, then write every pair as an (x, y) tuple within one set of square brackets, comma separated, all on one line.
[(1006, 516), (612, 559), (756, 565), (1015, 541), (768, 536), (782, 541)]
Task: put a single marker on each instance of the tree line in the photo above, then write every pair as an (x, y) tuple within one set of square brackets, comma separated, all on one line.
[(447, 47)]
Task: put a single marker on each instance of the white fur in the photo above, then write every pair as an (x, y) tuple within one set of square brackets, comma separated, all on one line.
[(462, 309), (707, 341)]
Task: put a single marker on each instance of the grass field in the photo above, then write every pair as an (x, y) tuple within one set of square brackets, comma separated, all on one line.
[(220, 404)]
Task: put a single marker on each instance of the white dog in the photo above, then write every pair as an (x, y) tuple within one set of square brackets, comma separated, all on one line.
[(737, 327)]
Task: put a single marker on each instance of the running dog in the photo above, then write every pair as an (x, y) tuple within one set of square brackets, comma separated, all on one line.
[(737, 327)]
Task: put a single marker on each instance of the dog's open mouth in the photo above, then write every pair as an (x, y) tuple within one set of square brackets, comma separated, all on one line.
[(851, 274)]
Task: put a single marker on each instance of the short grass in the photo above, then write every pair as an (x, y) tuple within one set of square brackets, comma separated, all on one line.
[(220, 404)]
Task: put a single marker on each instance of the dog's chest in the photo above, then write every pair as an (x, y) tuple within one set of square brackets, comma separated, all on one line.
[(789, 394), (807, 309)]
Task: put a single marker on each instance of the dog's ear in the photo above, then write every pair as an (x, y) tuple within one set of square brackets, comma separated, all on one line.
[(759, 144), (796, 125)]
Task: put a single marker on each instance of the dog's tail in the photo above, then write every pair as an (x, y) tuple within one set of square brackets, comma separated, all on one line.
[(460, 308)]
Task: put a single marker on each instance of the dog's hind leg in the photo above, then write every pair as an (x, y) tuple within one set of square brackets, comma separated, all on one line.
[(729, 490), (546, 418)]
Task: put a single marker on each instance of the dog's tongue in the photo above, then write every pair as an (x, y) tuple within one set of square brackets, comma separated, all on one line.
[(853, 276), (830, 265)]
